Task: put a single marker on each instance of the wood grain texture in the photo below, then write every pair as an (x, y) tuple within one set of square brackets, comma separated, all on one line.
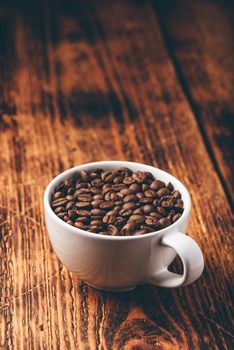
[(93, 81), (199, 35)]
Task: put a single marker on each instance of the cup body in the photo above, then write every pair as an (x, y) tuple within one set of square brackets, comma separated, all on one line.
[(107, 262)]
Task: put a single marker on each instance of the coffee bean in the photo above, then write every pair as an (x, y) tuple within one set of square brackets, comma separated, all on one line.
[(176, 217), (129, 228), (163, 192), (150, 194), (147, 208), (98, 212), (113, 231), (107, 205), (85, 198), (152, 222), (70, 205), (146, 200), (83, 219), (167, 202), (96, 223), (139, 176), (176, 195), (109, 219), (95, 190), (72, 214), (83, 212), (161, 211), (170, 187), (58, 194), (137, 217), (59, 210), (164, 222), (134, 188), (120, 202), (130, 198), (111, 196), (97, 183), (81, 185), (157, 184), (156, 215), (58, 202), (125, 213), (83, 205), (97, 203), (125, 192)]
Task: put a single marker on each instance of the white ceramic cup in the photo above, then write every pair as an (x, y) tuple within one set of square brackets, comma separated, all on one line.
[(123, 262)]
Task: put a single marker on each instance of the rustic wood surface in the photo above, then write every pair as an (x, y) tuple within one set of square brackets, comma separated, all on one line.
[(86, 81)]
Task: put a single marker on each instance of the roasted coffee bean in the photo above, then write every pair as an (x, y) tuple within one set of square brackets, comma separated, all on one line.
[(97, 203), (156, 185), (176, 217), (70, 205), (176, 195), (161, 211), (137, 217), (150, 194), (97, 183), (58, 202), (83, 219), (129, 227), (84, 175), (163, 192), (129, 205), (59, 210), (58, 194), (138, 211), (120, 221), (72, 214), (167, 202), (83, 205), (111, 196), (156, 215), (82, 185), (85, 198), (83, 212), (170, 187), (107, 205), (128, 180), (120, 202), (95, 223), (146, 200), (152, 222), (125, 213), (148, 208), (125, 191), (130, 198), (104, 233), (113, 231), (135, 188), (164, 222), (80, 225), (99, 212), (95, 190), (139, 176), (109, 219), (98, 196)]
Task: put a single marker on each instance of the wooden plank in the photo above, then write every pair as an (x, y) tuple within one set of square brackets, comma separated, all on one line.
[(79, 84), (199, 38)]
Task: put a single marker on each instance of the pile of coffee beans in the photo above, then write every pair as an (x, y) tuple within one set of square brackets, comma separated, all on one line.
[(117, 203)]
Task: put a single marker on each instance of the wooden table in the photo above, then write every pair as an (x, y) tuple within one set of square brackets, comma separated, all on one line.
[(130, 80)]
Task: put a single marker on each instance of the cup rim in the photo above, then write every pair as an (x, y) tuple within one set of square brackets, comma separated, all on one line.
[(77, 231)]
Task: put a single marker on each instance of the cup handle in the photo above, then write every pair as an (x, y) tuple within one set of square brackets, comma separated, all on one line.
[(191, 257)]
